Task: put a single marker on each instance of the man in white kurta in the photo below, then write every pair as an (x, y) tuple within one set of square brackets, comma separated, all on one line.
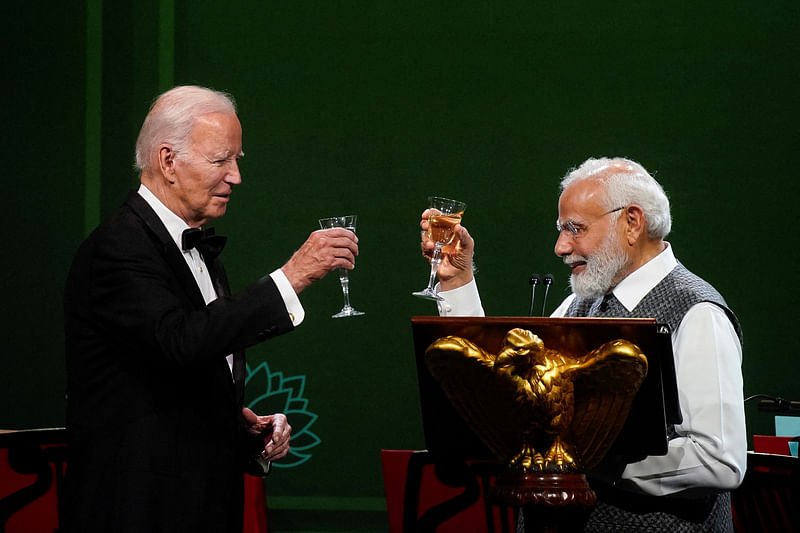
[(613, 217)]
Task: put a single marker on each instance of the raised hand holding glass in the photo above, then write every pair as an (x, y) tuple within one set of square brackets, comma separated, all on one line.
[(443, 215)]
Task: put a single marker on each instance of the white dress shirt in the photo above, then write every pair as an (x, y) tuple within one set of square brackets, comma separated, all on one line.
[(176, 225), (710, 451)]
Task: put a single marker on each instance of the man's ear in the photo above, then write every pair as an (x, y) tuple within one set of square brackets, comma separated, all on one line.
[(166, 162), (635, 223)]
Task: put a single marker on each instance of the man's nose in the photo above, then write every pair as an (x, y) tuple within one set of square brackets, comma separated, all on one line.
[(563, 244), (234, 177)]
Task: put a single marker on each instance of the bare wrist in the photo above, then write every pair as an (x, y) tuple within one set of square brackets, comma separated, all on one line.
[(456, 281), (297, 281)]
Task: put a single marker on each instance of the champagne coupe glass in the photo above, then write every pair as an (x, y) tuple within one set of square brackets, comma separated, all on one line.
[(347, 222), (444, 215)]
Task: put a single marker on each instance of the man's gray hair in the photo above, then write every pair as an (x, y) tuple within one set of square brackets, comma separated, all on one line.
[(627, 183), (172, 116)]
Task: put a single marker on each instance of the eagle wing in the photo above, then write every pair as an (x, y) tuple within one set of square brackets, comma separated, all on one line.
[(605, 383), (497, 406)]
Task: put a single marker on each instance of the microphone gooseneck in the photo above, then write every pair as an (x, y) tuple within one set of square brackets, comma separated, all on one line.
[(548, 280)]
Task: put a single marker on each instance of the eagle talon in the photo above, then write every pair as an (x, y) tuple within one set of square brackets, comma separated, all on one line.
[(538, 462), (527, 460), (558, 458)]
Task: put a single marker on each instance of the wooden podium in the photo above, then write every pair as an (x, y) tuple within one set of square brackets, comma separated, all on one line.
[(557, 498)]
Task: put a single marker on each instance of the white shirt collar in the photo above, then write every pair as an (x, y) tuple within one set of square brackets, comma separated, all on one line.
[(641, 281), (174, 224)]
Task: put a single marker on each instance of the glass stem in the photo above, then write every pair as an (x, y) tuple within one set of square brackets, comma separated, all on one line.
[(435, 261), (344, 280)]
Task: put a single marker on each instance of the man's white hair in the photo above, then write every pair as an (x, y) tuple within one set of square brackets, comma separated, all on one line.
[(172, 116), (627, 183)]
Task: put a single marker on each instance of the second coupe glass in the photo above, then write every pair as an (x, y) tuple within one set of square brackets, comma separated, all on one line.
[(347, 222)]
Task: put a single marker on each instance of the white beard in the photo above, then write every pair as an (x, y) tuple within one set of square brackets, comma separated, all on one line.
[(601, 269)]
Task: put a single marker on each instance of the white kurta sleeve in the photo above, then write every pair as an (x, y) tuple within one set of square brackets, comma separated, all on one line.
[(710, 451), (463, 301)]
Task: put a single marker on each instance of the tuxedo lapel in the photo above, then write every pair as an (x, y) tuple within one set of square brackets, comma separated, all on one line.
[(220, 279), (172, 255), (177, 264)]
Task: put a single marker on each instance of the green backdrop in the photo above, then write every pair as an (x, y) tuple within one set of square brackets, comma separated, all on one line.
[(368, 108)]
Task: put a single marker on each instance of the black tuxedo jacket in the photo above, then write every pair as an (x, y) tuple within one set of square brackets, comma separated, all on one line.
[(156, 438)]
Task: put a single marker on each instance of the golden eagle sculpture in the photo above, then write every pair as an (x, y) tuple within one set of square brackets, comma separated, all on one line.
[(537, 409)]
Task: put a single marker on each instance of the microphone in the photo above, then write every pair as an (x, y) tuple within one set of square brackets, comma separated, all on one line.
[(534, 281), (548, 280)]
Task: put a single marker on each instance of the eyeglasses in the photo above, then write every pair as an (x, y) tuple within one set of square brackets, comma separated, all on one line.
[(575, 229)]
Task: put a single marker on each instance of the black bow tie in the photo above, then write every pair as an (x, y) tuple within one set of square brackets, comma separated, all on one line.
[(205, 240)]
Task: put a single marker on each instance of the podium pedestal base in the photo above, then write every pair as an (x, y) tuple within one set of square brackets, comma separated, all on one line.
[(549, 490), (551, 502)]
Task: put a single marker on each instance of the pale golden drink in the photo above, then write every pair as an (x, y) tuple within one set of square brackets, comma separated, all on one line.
[(440, 227)]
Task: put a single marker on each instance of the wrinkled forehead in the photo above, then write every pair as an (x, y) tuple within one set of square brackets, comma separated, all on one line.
[(582, 199), (217, 130), (217, 122)]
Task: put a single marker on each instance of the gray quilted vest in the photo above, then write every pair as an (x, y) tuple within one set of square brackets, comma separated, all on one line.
[(668, 302)]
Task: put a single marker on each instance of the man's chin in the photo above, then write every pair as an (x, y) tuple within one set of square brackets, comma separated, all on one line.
[(582, 290), (216, 212)]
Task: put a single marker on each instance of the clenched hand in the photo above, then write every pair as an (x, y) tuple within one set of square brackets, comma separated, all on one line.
[(323, 251)]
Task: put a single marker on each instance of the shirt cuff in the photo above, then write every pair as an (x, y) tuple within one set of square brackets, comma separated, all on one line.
[(463, 301), (290, 299)]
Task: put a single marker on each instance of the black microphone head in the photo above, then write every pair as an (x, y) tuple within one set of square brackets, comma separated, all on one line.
[(548, 279), (534, 279)]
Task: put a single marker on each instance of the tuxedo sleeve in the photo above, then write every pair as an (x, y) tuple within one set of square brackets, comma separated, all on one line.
[(141, 291)]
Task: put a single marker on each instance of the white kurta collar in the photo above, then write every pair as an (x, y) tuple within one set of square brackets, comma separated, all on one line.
[(641, 281)]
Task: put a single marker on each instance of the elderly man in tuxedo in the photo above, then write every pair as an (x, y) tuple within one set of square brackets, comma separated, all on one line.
[(158, 437), (613, 218)]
